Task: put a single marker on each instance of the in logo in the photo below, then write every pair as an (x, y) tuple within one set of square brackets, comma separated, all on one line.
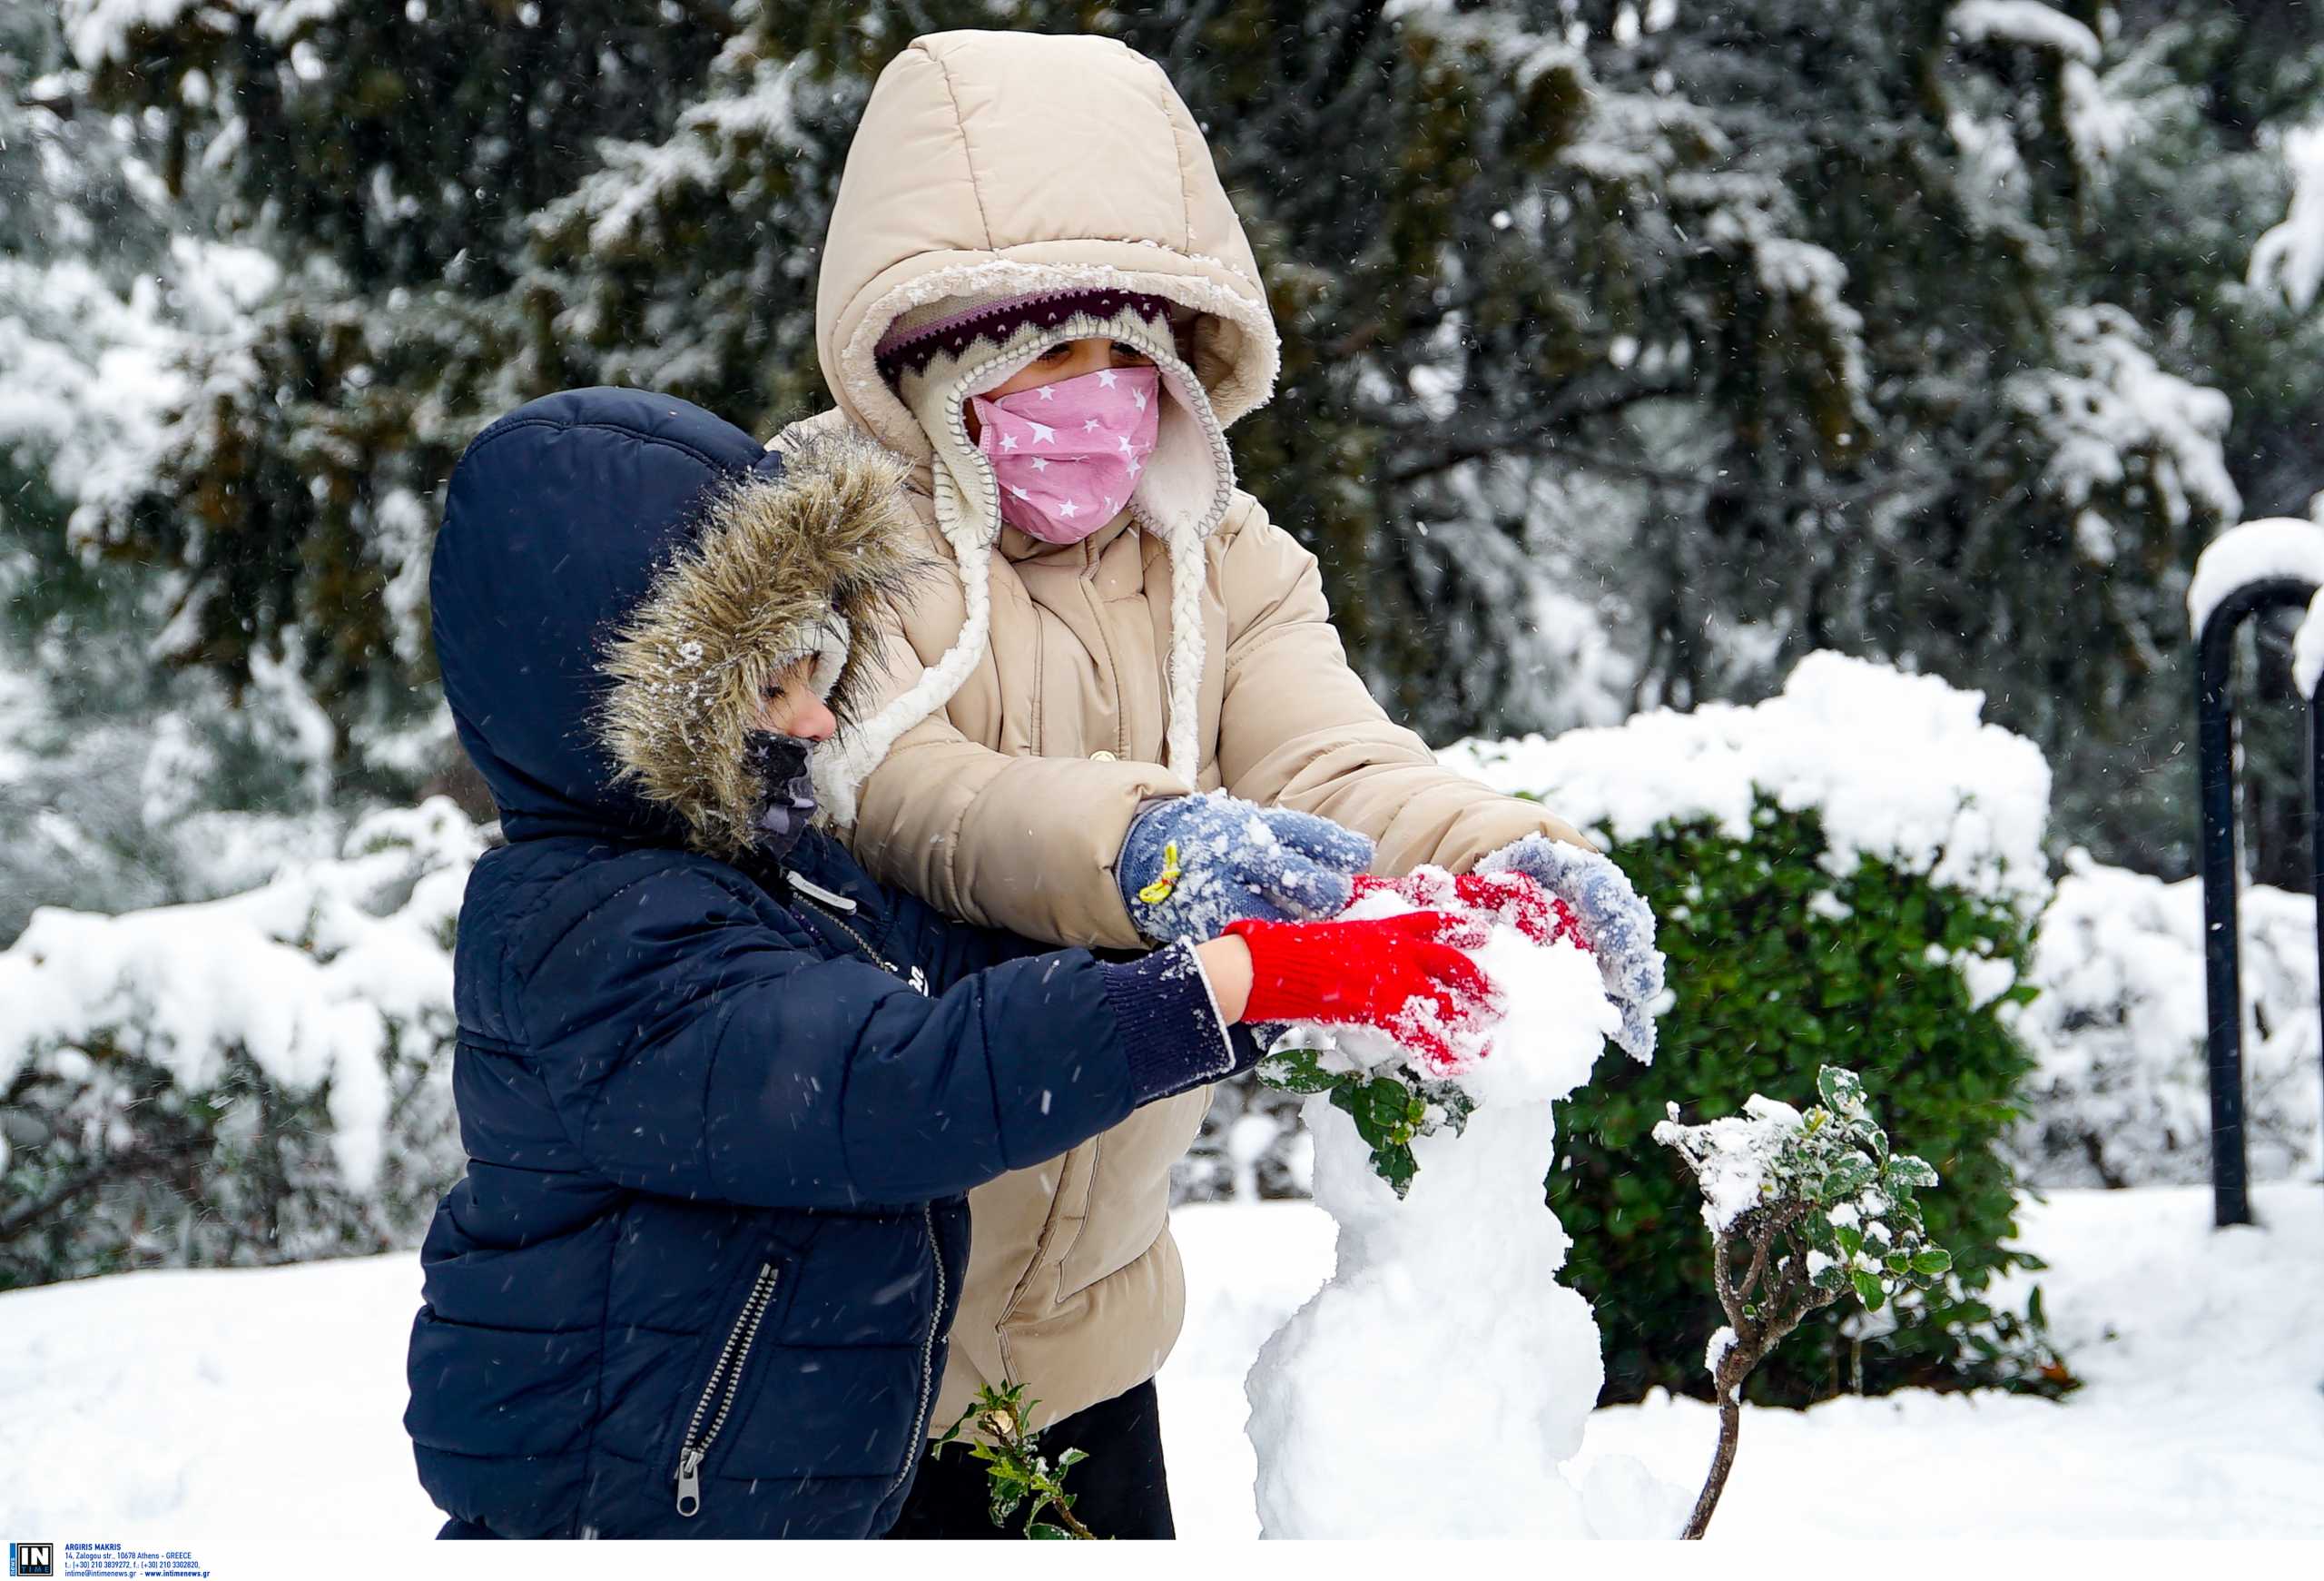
[(32, 1558)]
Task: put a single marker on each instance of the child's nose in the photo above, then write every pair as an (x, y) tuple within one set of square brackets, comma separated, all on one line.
[(815, 722)]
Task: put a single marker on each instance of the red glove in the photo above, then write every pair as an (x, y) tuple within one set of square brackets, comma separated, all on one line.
[(1510, 898), (1399, 974)]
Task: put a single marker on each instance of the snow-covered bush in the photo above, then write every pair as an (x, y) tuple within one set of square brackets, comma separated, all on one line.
[(258, 1079), (1804, 1211), (1846, 874), (2121, 1095)]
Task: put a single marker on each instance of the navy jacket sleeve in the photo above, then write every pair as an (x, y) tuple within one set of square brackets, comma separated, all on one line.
[(693, 1047)]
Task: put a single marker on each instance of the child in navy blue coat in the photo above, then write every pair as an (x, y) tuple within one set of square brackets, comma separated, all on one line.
[(721, 1094)]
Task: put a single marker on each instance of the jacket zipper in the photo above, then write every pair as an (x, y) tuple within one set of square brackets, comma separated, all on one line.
[(927, 1354), (725, 1381), (916, 977)]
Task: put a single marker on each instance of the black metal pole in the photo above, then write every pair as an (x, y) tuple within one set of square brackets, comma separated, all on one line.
[(2223, 967), (2223, 971), (2316, 816)]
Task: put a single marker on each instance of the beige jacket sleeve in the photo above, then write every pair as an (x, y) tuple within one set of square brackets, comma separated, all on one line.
[(1297, 728), (1026, 844)]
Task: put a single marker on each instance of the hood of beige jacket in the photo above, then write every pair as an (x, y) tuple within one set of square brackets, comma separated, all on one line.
[(1028, 164)]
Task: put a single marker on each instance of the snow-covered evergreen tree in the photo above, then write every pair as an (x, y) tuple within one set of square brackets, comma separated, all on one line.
[(114, 770)]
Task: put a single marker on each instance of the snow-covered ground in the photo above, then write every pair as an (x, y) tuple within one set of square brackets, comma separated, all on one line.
[(185, 1407)]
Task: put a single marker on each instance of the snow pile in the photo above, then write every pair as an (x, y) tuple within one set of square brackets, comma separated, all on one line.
[(327, 973), (1349, 1396), (2276, 548), (2122, 1094), (166, 1398), (1898, 765)]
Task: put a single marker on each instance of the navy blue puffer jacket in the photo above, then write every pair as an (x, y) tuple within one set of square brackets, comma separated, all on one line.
[(720, 1113)]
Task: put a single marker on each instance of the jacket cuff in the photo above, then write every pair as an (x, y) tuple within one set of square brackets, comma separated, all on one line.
[(1171, 1025)]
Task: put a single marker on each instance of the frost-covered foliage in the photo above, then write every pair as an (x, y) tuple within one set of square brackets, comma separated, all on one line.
[(1849, 1203), (1804, 1211), (258, 1079), (2121, 1094)]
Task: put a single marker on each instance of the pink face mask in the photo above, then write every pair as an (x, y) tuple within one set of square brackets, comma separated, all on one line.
[(1068, 454)]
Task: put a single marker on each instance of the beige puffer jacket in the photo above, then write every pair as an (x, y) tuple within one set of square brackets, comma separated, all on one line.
[(1017, 162)]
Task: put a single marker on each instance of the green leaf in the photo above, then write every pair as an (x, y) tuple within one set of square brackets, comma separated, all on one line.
[(1041, 1531), (1935, 1260), (1298, 1071), (1388, 1102), (1069, 1459), (1394, 1164), (1850, 1176), (1849, 1238), (1840, 1088), (1869, 1289), (1907, 1171)]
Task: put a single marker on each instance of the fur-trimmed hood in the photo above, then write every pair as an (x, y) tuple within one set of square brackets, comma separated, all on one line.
[(619, 574), (797, 560)]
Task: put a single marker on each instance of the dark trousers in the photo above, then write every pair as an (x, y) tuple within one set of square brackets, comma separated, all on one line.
[(1120, 1490)]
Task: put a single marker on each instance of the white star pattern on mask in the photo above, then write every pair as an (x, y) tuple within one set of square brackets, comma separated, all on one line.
[(1136, 467), (1111, 508), (1040, 463), (1009, 441), (1138, 396), (1124, 443), (1105, 379), (1089, 426), (1067, 508), (1048, 393), (1019, 492), (1043, 434)]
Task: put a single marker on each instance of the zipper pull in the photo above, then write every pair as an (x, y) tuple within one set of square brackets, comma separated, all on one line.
[(690, 1483)]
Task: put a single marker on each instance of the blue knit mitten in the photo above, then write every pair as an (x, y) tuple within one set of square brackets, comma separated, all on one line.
[(1614, 918), (1191, 864)]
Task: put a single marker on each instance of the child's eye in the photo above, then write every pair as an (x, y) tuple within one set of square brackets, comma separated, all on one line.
[(1131, 353), (1058, 353)]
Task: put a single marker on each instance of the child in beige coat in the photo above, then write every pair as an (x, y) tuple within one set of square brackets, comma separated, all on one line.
[(1125, 721)]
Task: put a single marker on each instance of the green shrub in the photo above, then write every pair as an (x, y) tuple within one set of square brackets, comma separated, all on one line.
[(1772, 981)]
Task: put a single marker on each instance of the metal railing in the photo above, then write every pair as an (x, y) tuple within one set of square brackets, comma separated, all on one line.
[(2222, 941)]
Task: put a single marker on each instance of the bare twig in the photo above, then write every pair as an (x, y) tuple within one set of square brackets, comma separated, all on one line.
[(1790, 1297)]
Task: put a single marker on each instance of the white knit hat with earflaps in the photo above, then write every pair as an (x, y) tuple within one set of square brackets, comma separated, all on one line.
[(939, 355)]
